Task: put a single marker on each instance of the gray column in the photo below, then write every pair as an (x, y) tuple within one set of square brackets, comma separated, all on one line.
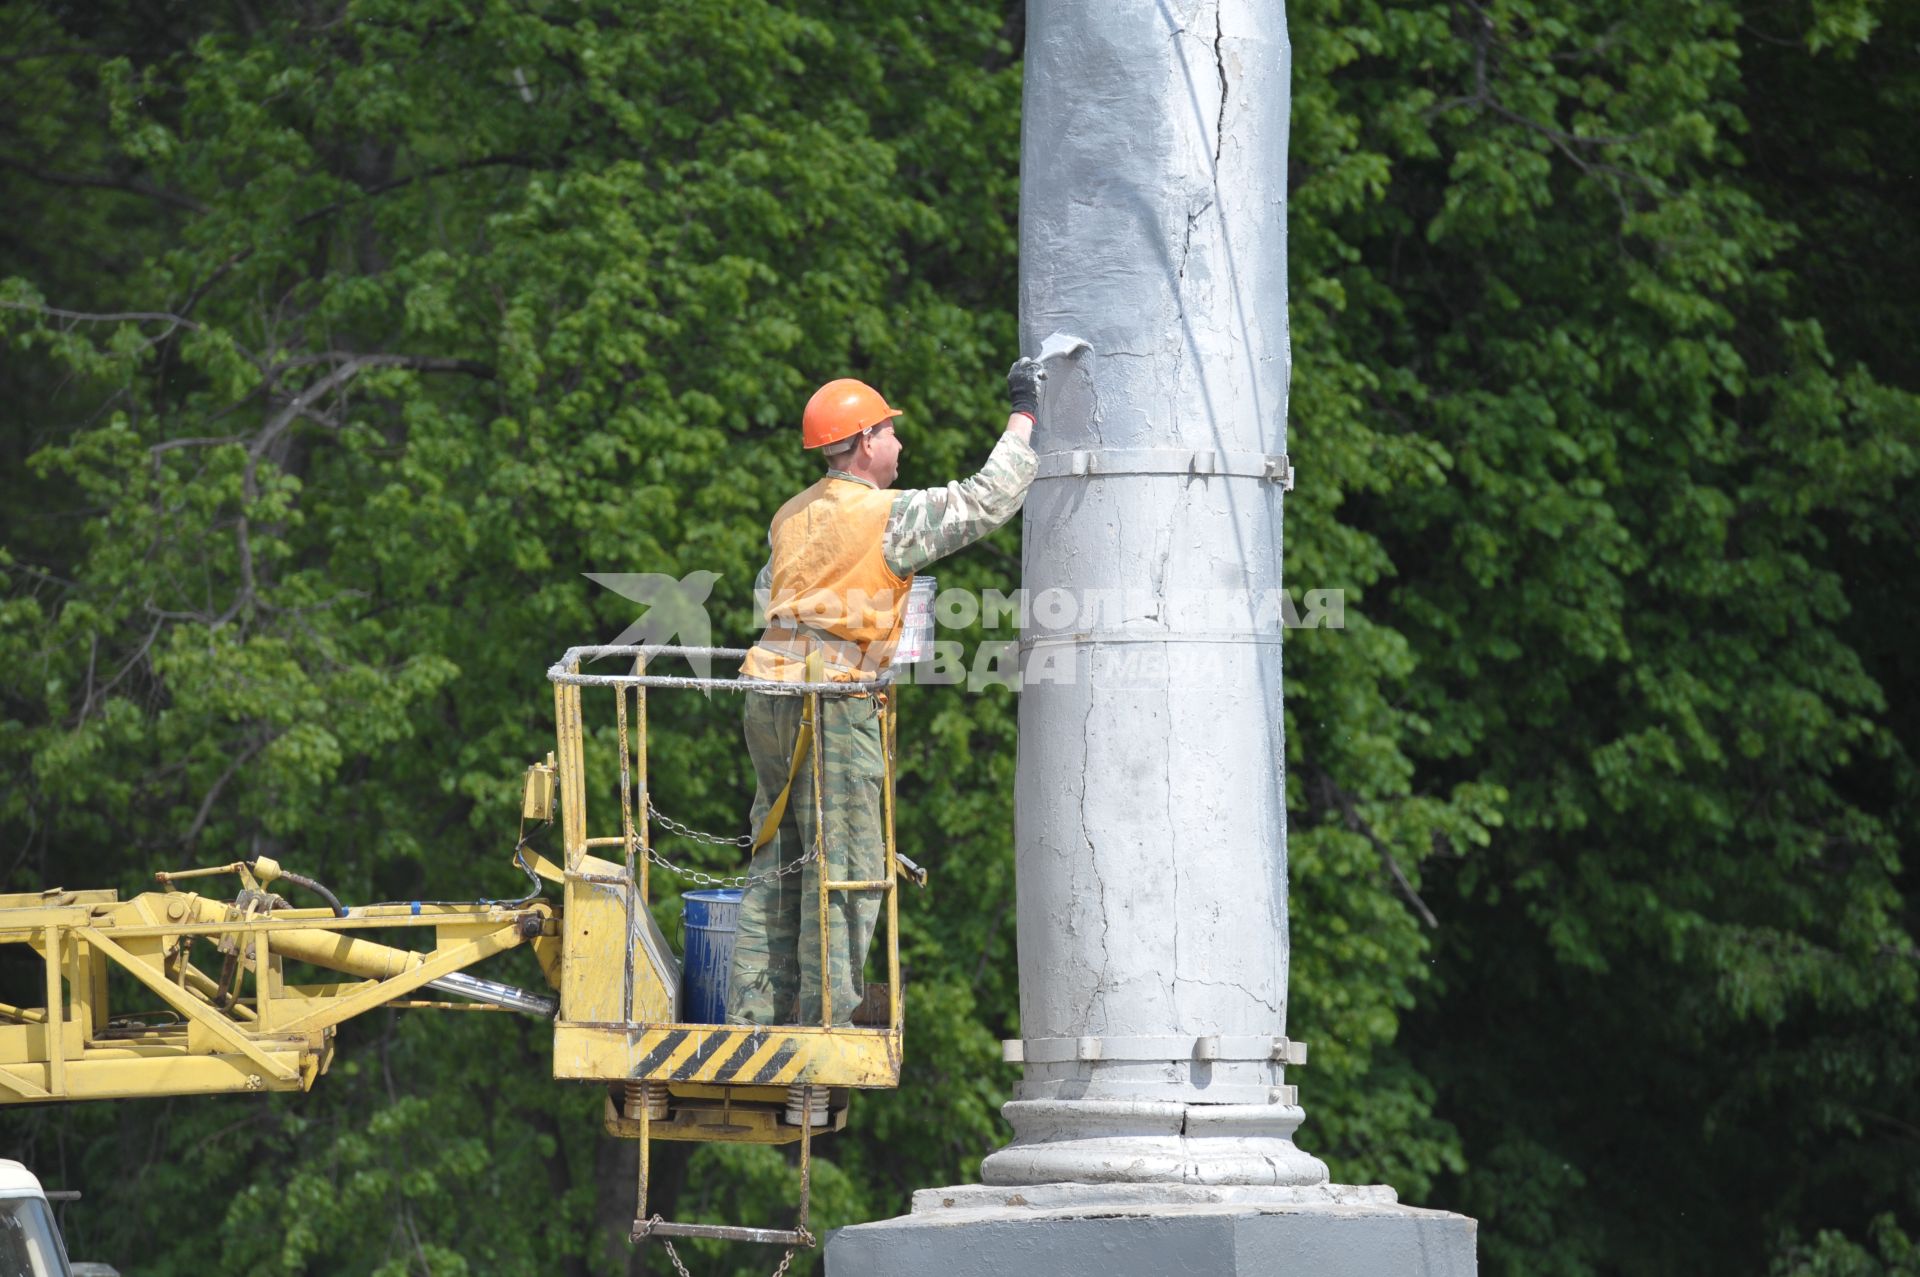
[(1153, 1125), (1151, 820)]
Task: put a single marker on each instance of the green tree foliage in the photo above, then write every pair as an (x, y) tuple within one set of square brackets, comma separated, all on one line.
[(1832, 1254), (341, 340), (1619, 435), (446, 305)]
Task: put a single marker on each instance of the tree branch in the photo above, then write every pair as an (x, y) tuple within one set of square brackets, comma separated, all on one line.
[(240, 760), (198, 441), (97, 697), (1484, 98), (303, 405), (424, 175), (381, 188), (1357, 823), (63, 51), (1904, 1127), (129, 185), (350, 366), (105, 317)]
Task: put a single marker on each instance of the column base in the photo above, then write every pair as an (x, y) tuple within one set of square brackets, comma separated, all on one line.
[(1119, 1230), (1152, 1142)]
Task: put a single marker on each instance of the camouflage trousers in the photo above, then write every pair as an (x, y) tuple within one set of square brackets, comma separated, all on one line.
[(776, 953)]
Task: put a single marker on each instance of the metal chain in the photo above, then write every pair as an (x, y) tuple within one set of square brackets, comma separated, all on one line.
[(700, 877), (806, 1167), (674, 1255), (780, 1269), (697, 835)]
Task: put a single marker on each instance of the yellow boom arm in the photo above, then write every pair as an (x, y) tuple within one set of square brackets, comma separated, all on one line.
[(616, 1020), (245, 1030)]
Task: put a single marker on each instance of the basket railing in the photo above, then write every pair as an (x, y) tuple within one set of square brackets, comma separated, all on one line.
[(635, 837)]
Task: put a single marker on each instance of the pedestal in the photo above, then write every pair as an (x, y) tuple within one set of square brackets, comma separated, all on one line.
[(1085, 1230)]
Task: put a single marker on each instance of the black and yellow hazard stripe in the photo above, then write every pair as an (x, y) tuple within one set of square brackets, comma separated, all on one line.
[(723, 1055)]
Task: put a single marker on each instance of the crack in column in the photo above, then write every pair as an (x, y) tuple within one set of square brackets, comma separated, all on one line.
[(1263, 999), (1220, 121), (1186, 244), (1093, 859)]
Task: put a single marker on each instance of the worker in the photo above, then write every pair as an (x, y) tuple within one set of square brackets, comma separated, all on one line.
[(842, 558)]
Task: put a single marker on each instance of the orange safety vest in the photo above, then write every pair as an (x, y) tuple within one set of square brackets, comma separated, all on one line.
[(831, 585)]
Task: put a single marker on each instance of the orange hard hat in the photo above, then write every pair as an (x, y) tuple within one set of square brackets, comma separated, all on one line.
[(841, 409)]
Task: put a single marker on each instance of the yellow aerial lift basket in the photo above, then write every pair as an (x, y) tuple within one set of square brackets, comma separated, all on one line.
[(245, 1025), (760, 1084)]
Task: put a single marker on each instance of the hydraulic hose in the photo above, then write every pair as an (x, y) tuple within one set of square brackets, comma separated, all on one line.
[(333, 901)]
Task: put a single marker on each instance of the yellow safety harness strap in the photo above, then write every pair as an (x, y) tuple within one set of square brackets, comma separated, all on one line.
[(801, 743), (815, 673)]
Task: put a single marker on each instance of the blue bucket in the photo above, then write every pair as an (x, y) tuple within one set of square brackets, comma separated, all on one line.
[(711, 918)]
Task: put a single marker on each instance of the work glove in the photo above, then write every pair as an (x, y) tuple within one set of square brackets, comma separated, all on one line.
[(1023, 386)]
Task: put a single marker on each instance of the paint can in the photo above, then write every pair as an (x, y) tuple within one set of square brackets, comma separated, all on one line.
[(916, 626), (711, 918)]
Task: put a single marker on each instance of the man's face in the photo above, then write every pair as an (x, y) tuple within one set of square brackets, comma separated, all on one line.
[(883, 452)]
